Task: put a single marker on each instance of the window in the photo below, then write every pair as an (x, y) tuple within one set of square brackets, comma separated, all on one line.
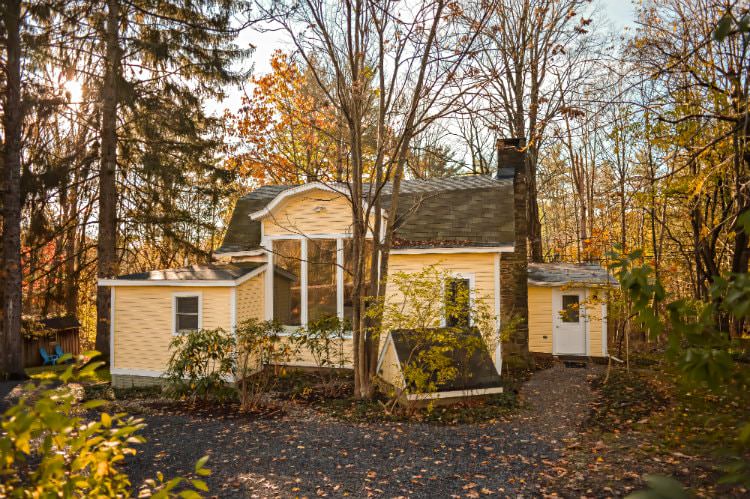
[(313, 279), (349, 275), (187, 313), (321, 279), (287, 282), (570, 308), (458, 302)]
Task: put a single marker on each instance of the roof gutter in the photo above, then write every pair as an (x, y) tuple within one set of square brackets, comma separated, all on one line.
[(202, 283)]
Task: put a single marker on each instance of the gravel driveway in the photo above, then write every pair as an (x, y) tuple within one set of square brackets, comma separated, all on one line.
[(309, 455)]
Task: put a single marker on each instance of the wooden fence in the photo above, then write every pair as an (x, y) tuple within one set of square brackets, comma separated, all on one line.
[(67, 339)]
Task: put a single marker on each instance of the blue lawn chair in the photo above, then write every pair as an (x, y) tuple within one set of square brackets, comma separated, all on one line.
[(49, 360), (59, 353)]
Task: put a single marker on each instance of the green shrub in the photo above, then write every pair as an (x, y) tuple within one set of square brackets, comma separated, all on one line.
[(49, 449), (201, 364), (259, 344), (324, 339)]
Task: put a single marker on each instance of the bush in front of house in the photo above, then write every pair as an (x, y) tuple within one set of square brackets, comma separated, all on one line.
[(261, 353), (49, 447), (202, 363), (213, 364)]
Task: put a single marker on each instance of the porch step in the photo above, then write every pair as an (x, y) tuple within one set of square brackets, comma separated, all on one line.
[(573, 362)]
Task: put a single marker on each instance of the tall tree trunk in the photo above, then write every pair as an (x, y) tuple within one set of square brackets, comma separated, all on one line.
[(107, 241), (13, 123)]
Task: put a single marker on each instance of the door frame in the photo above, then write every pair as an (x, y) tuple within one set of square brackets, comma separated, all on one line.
[(557, 293)]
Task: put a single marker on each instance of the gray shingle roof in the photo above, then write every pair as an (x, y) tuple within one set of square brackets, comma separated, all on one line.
[(557, 274), (470, 210), (210, 272)]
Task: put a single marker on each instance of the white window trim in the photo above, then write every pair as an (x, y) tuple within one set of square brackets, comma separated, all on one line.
[(186, 294), (449, 251), (304, 309), (471, 277)]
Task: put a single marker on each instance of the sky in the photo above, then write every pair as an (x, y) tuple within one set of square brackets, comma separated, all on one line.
[(620, 13)]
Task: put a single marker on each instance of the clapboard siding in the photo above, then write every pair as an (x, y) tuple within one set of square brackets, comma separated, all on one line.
[(144, 321), (250, 299), (313, 212), (540, 319)]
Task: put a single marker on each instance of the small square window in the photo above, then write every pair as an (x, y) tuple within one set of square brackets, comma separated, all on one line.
[(186, 313)]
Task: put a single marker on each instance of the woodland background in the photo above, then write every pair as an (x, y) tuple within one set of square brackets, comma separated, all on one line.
[(115, 159)]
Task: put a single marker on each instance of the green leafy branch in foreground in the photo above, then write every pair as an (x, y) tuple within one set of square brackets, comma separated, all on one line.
[(50, 448), (698, 345)]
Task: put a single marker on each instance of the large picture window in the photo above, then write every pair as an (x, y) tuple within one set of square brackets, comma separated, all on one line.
[(321, 279), (287, 282), (313, 279)]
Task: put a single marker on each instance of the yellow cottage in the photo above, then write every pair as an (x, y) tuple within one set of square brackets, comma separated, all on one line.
[(285, 257)]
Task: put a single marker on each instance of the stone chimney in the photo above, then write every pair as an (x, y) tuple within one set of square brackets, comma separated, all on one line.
[(514, 291)]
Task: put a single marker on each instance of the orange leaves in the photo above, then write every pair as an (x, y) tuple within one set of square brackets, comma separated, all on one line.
[(286, 130)]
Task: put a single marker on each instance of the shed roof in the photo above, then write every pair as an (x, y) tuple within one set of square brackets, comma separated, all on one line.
[(469, 210), (60, 323), (208, 272), (559, 274)]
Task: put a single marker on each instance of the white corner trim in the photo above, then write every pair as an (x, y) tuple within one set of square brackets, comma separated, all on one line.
[(449, 251), (498, 317), (604, 329), (256, 215), (268, 289), (233, 311), (454, 394), (187, 294), (303, 282), (136, 372), (111, 328), (340, 279), (192, 283), (381, 357)]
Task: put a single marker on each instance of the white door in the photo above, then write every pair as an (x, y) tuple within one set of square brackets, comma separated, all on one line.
[(569, 321)]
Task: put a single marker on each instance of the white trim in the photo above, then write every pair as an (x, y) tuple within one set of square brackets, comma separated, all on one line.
[(498, 317), (454, 394), (340, 278), (346, 365), (136, 372), (470, 276), (288, 193), (304, 305), (111, 328), (604, 329), (557, 320), (233, 311), (577, 284), (182, 283), (189, 294), (166, 282), (381, 356), (255, 252), (448, 251), (331, 235), (268, 288), (585, 318)]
